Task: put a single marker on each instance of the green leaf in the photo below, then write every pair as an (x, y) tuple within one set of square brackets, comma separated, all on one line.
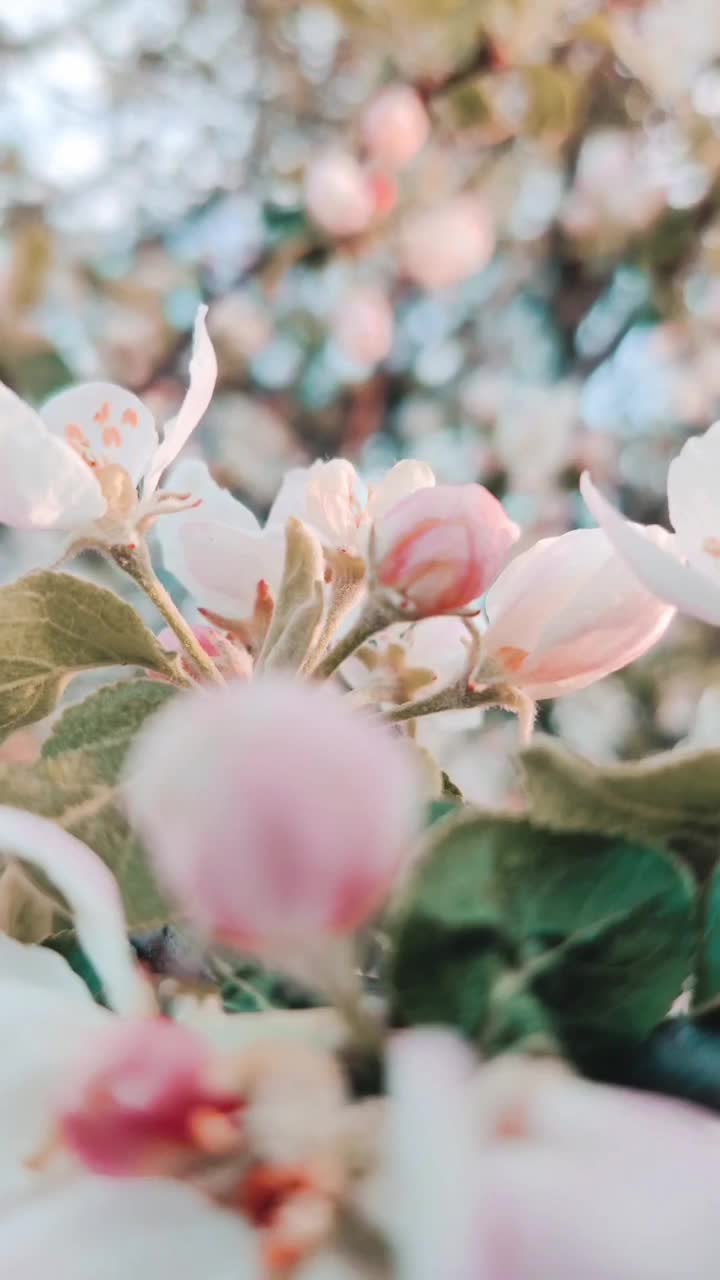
[(512, 931), (66, 944), (673, 797), (707, 971), (78, 787), (52, 626), (681, 1059)]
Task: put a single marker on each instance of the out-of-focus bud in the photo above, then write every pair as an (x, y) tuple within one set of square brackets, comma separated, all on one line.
[(142, 1101), (253, 802), (441, 548), (338, 193), (363, 325), (567, 612), (442, 246), (395, 126)]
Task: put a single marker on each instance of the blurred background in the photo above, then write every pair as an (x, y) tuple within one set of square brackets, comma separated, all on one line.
[(483, 233)]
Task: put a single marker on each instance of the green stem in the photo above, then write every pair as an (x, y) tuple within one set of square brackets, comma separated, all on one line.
[(373, 618), (135, 562)]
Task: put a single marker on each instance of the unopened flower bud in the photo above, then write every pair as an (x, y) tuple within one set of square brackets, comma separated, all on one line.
[(253, 802), (441, 548)]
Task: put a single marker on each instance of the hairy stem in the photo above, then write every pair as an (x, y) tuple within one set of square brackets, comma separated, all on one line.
[(135, 562), (373, 618), (459, 697)]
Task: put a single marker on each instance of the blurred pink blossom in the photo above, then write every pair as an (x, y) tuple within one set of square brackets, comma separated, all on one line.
[(440, 247), (254, 806), (395, 126), (338, 193), (363, 324)]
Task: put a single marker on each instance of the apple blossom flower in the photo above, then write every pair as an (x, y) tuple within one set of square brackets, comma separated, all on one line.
[(440, 247), (88, 1091), (566, 613), (684, 571), (363, 324), (394, 126), (77, 466), (222, 556), (408, 660), (338, 193), (439, 549), (266, 835)]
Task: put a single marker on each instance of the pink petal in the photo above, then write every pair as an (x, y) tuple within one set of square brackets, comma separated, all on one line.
[(43, 483), (103, 424), (683, 586), (91, 893), (203, 375)]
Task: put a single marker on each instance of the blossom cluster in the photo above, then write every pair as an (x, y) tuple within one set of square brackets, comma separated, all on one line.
[(272, 789)]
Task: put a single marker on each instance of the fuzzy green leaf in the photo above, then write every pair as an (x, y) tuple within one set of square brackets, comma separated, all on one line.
[(512, 931), (53, 626), (672, 798), (78, 787)]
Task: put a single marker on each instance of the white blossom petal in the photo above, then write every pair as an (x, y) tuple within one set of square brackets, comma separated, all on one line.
[(91, 893), (115, 1229), (203, 375), (694, 500), (46, 1013), (430, 1154), (291, 498), (193, 476), (402, 479), (657, 567), (44, 484), (221, 565), (103, 423)]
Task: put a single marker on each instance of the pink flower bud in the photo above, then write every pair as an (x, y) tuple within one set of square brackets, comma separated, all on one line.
[(567, 612), (364, 325), (338, 193), (441, 548), (442, 246), (395, 126), (254, 804), (142, 1101)]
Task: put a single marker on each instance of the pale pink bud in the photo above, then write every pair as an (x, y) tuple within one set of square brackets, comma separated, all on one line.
[(363, 325), (142, 1101), (338, 193), (395, 126), (253, 802), (442, 246), (232, 660), (567, 612), (440, 548)]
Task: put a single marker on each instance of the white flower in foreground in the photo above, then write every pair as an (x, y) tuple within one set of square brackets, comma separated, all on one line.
[(219, 552), (105, 1113), (690, 583), (78, 466), (521, 1171)]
